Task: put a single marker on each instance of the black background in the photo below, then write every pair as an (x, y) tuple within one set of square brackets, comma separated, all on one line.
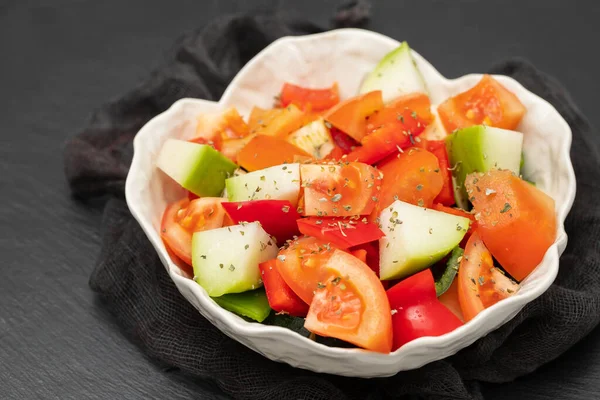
[(61, 59)]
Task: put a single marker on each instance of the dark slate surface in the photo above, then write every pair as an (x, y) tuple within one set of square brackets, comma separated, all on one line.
[(59, 61)]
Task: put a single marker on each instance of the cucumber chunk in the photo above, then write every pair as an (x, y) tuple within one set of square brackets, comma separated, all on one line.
[(225, 260), (416, 238), (281, 182), (196, 167), (395, 75)]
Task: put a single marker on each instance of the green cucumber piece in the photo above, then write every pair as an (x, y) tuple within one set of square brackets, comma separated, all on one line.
[(252, 304), (198, 168), (281, 182), (442, 284), (478, 149), (225, 260), (416, 238), (395, 75)]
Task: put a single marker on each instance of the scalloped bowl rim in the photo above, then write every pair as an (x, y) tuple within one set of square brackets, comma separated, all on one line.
[(245, 331)]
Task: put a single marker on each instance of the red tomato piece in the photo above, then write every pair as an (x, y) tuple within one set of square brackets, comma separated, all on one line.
[(339, 189), (267, 151), (350, 304), (340, 232), (394, 128), (516, 220), (281, 297), (350, 116), (488, 102), (438, 149), (315, 99), (184, 217), (277, 217), (480, 284), (300, 265), (416, 310)]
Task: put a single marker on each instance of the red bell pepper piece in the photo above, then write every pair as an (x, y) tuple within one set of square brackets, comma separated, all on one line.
[(314, 99), (340, 232), (416, 311), (281, 297), (438, 148), (277, 217)]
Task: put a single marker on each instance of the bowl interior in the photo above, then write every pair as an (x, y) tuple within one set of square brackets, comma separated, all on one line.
[(345, 56)]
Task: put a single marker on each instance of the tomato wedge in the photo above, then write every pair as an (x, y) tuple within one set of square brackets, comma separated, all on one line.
[(416, 310), (343, 141), (314, 99), (394, 128), (480, 284), (350, 304), (277, 217), (267, 151), (184, 217), (414, 177), (350, 116), (516, 220), (488, 102), (340, 232), (281, 297), (300, 265), (339, 189)]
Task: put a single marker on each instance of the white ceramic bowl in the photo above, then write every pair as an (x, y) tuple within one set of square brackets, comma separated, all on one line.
[(345, 56)]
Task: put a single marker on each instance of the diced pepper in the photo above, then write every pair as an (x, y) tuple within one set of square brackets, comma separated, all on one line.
[(341, 232), (281, 297), (277, 217), (416, 311), (267, 151)]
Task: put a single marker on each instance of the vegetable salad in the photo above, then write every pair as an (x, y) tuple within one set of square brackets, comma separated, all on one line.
[(372, 220)]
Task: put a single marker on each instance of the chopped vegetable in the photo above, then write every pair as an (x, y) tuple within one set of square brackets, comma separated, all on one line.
[(252, 304), (480, 284), (277, 217), (273, 151), (488, 103), (517, 222), (350, 116), (315, 99), (443, 283), (281, 297), (340, 232), (417, 311)]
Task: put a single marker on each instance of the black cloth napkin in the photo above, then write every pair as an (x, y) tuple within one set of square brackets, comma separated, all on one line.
[(135, 287)]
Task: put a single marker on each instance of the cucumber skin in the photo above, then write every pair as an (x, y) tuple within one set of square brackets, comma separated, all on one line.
[(207, 177), (444, 282)]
